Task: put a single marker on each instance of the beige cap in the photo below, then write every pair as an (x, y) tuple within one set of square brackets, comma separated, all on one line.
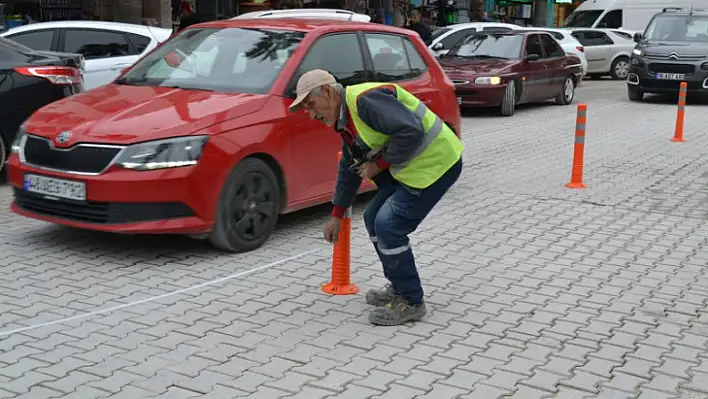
[(308, 82)]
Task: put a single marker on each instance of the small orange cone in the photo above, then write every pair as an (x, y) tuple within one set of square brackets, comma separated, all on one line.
[(680, 114), (340, 284), (576, 176)]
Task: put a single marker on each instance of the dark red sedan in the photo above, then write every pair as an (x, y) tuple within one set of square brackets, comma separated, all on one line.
[(510, 68), (196, 137)]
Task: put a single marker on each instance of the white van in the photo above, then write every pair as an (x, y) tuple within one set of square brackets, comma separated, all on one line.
[(629, 15)]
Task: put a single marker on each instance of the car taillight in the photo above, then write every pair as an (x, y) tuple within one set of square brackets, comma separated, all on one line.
[(55, 74), (580, 48)]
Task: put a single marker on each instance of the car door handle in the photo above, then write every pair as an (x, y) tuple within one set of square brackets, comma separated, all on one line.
[(545, 67), (119, 66)]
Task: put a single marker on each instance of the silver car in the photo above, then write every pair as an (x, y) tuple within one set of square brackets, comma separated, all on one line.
[(607, 52)]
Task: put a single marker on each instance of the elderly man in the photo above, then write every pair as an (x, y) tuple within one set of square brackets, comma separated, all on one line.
[(391, 137)]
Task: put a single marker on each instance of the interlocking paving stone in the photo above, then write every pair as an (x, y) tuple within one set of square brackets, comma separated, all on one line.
[(534, 290)]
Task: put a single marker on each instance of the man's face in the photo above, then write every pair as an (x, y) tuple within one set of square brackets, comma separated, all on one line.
[(323, 107), (415, 18)]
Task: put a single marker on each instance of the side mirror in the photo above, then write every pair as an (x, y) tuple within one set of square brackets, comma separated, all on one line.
[(438, 46), (637, 37), (532, 58)]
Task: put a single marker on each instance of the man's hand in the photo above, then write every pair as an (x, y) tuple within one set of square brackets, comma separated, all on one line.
[(331, 229), (368, 170)]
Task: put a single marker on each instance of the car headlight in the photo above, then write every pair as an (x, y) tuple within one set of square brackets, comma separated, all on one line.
[(488, 80), (704, 66), (637, 52), (163, 154), (16, 145)]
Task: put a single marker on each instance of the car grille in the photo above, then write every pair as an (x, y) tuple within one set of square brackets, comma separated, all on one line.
[(100, 212), (677, 57), (657, 67), (82, 158)]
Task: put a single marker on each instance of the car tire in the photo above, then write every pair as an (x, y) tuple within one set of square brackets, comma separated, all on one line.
[(508, 105), (567, 93), (620, 68), (4, 156), (634, 94), (248, 208)]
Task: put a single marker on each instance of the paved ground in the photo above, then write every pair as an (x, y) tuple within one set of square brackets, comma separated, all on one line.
[(536, 291)]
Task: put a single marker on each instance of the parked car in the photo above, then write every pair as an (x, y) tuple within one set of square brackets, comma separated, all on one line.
[(196, 137), (319, 13), (445, 38), (108, 47), (29, 80), (607, 52), (570, 44), (510, 68), (672, 50)]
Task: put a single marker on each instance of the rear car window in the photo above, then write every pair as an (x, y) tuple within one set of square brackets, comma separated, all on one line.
[(96, 43), (390, 57), (36, 40), (140, 43)]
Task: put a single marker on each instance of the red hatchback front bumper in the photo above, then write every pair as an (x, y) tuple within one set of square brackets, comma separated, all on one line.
[(179, 200)]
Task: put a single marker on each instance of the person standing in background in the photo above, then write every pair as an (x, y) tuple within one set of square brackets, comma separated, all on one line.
[(415, 23), (188, 16)]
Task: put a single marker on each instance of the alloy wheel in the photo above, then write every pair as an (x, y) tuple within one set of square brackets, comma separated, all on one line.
[(568, 89), (622, 69), (253, 206)]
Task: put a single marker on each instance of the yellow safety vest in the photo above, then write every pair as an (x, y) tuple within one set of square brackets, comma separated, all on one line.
[(439, 150)]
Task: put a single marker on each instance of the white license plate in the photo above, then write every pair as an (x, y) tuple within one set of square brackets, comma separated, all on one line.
[(459, 100), (58, 188), (671, 76)]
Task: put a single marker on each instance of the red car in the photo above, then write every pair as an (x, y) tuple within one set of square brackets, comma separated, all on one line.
[(509, 68), (196, 137)]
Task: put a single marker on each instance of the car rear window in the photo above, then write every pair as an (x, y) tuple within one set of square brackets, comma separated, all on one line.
[(217, 59)]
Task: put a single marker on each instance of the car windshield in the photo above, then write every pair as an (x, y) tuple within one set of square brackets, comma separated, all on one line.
[(488, 46), (235, 60), (582, 19), (678, 28)]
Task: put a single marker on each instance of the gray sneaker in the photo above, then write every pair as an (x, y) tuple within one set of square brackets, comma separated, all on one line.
[(396, 313), (380, 296)]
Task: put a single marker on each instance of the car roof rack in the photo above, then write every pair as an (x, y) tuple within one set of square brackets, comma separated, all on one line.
[(308, 13), (681, 9)]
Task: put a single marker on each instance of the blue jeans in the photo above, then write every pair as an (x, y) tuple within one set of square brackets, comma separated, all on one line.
[(396, 211)]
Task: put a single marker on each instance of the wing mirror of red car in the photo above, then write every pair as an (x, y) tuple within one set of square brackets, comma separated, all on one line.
[(532, 57)]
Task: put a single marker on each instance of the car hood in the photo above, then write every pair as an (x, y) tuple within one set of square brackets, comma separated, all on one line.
[(681, 48), (121, 114), (454, 66)]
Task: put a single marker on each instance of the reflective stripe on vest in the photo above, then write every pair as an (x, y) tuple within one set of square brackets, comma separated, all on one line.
[(428, 138)]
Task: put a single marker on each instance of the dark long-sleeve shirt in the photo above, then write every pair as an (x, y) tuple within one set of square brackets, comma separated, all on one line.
[(380, 110)]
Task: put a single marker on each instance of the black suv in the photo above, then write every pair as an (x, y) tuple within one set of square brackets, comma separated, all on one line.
[(672, 49)]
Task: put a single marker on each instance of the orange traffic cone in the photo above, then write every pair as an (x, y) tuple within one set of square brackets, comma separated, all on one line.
[(340, 284)]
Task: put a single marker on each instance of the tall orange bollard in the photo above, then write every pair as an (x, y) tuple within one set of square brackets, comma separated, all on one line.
[(340, 284), (576, 177), (680, 114)]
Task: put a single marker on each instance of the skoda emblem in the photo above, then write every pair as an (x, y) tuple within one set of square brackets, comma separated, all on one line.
[(674, 55), (63, 137)]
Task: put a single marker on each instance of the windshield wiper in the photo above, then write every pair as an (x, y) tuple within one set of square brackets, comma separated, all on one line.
[(175, 86), (132, 81), (485, 56)]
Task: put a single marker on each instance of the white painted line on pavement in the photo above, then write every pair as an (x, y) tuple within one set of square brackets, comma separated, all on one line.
[(154, 298)]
